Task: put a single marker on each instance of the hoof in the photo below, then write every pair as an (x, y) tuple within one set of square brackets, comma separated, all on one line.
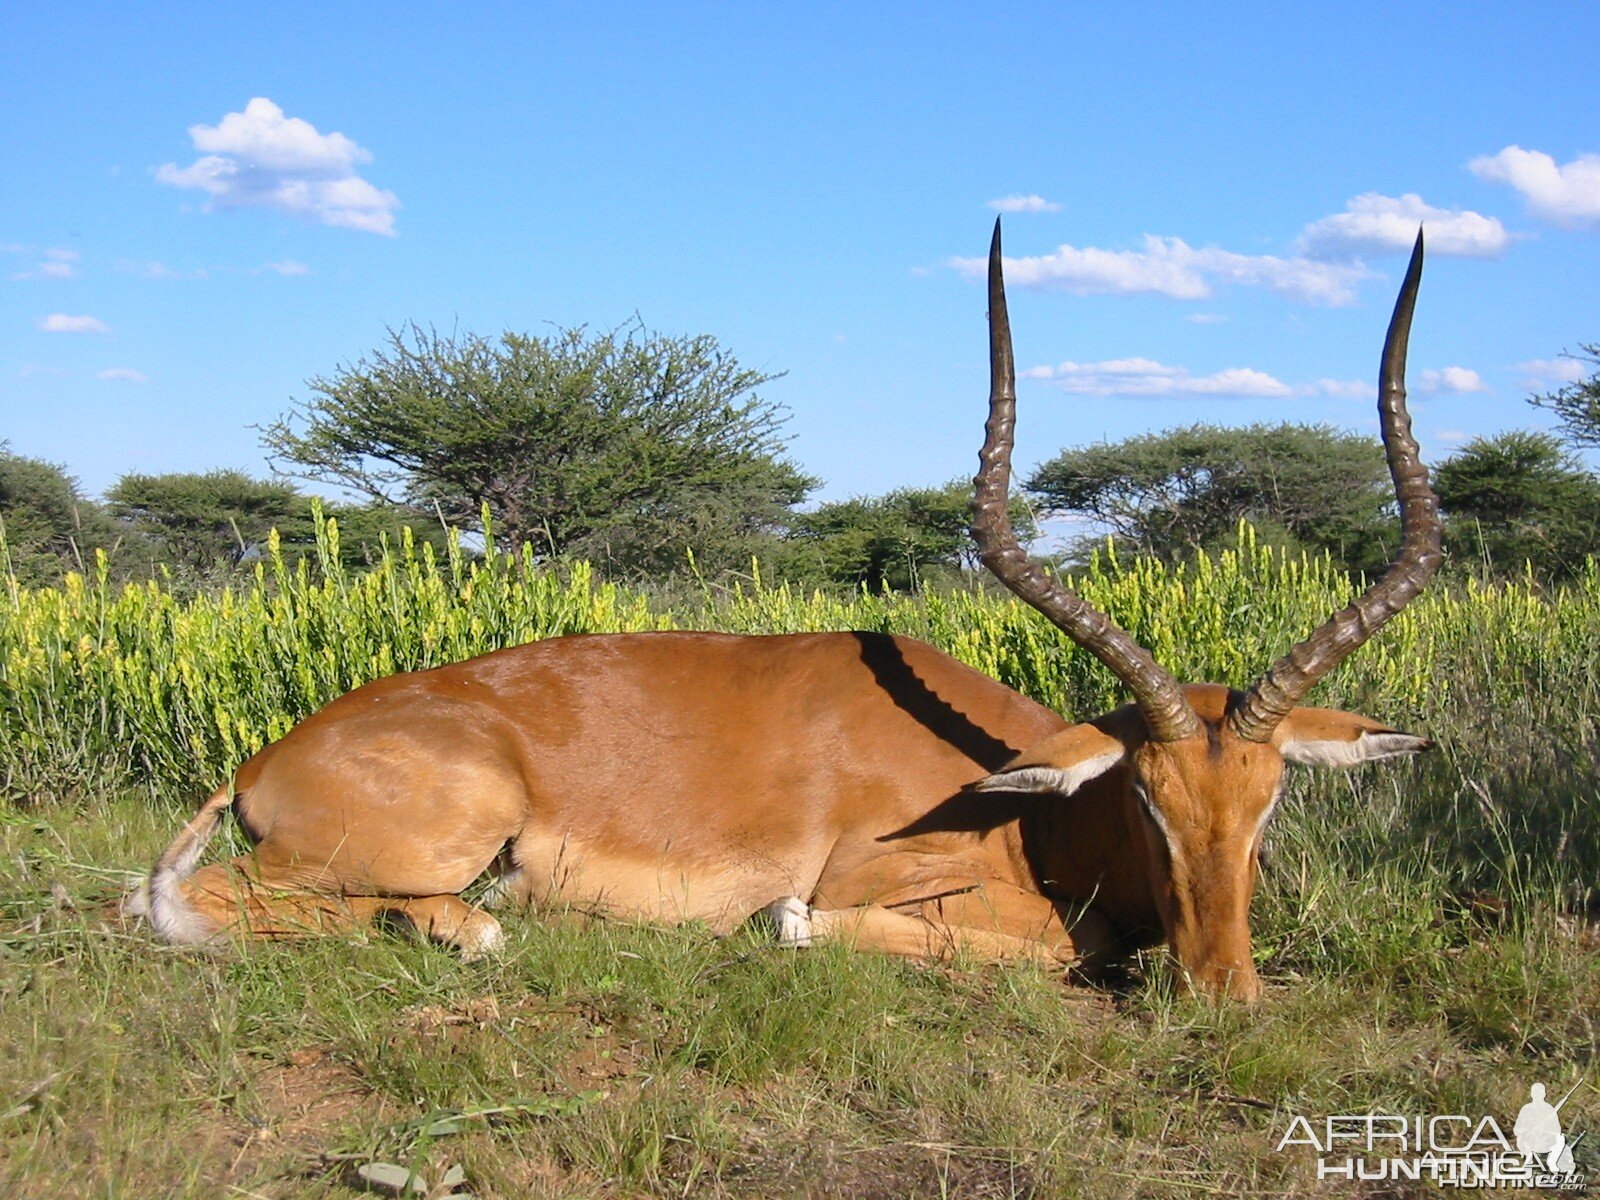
[(480, 943), (791, 919)]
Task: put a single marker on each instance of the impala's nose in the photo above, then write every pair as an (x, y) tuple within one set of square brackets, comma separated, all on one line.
[(1226, 981)]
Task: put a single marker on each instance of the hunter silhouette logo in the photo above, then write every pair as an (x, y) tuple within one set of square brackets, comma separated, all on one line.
[(1538, 1132), (1452, 1150)]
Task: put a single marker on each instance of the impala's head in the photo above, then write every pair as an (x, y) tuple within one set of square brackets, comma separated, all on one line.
[(1195, 809), (1198, 769)]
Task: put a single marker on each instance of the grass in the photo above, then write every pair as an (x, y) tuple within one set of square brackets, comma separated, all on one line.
[(1427, 931), (606, 1059)]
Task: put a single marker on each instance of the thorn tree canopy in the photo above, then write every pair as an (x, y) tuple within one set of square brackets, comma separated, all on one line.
[(628, 447), (1578, 403), (1171, 494)]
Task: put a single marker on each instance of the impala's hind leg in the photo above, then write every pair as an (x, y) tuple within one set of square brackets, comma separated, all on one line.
[(229, 898), (215, 900), (449, 920)]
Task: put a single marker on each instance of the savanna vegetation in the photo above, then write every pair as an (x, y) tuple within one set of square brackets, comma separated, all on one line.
[(656, 460), (1427, 931)]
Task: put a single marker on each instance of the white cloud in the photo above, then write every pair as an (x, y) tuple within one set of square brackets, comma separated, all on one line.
[(260, 158), (1342, 389), (1205, 318), (1547, 372), (1567, 195), (1452, 436), (1024, 204), (160, 270), (58, 264), (48, 270), (1146, 377), (1450, 381), (127, 373), (1171, 267), (1374, 224), (62, 323)]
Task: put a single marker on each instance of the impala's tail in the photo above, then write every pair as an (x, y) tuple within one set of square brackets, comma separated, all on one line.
[(161, 899)]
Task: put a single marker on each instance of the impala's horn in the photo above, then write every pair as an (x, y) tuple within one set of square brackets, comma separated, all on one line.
[(1272, 696), (1157, 693)]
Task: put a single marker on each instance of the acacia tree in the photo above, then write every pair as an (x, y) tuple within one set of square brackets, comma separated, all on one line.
[(1578, 404), (627, 447), (1174, 493), (1518, 498), (201, 521), (209, 522), (891, 540), (50, 527)]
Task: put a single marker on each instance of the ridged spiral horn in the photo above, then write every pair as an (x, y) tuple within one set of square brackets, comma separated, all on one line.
[(1157, 693), (1421, 531)]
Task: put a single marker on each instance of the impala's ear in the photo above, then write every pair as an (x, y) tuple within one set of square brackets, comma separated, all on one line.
[(1325, 737), (1062, 763)]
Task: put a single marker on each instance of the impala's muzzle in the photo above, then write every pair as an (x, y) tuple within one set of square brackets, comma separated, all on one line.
[(1206, 914), (1213, 950)]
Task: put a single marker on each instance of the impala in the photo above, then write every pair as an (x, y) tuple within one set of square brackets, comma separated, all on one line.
[(853, 786)]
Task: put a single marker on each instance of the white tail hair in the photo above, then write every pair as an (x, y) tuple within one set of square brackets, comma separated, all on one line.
[(163, 899)]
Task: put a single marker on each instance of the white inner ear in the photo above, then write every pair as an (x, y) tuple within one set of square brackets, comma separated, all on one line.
[(1061, 780), (1364, 748)]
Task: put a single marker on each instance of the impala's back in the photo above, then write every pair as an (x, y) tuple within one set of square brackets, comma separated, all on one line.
[(668, 776)]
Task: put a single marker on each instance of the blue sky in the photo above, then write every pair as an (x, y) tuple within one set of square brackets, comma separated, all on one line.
[(203, 206)]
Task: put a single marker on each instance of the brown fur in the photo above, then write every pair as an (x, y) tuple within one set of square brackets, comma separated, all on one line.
[(678, 776)]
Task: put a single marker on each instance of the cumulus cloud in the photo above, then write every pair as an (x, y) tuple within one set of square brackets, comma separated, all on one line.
[(1205, 318), (1024, 204), (1541, 373), (1450, 381), (62, 323), (1171, 267), (259, 158), (1342, 389), (126, 373), (1567, 195), (57, 263), (1146, 377), (159, 270), (1375, 224)]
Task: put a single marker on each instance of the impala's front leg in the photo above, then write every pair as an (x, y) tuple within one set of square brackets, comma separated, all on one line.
[(992, 920), (1068, 933)]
